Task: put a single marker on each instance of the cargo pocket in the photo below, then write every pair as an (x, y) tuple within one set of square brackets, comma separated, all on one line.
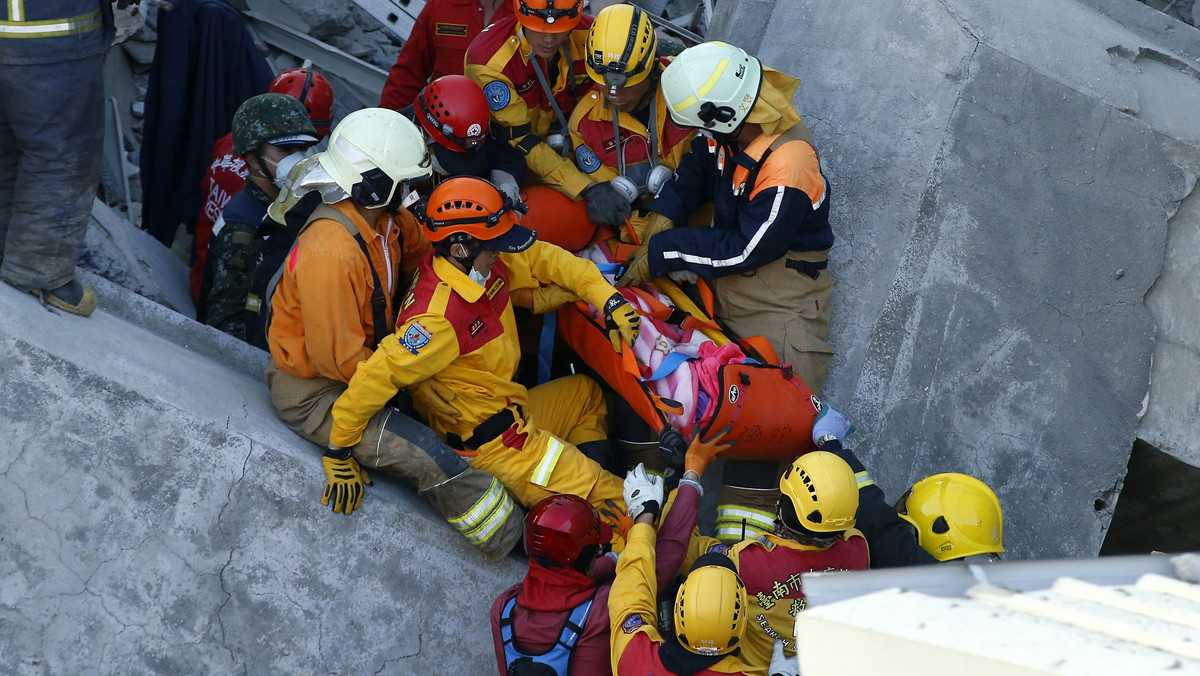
[(808, 354)]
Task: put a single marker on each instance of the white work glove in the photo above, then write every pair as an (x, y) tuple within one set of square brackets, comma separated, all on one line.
[(682, 276), (507, 184), (783, 666), (643, 492)]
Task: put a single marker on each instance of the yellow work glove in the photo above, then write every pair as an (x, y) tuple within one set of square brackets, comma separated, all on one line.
[(437, 398), (550, 298), (344, 481), (621, 320), (645, 227), (637, 269), (700, 452)]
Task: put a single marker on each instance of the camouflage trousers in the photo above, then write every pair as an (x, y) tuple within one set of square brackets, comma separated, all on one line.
[(51, 151)]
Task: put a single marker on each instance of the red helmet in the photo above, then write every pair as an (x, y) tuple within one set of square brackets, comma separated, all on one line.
[(454, 111), (559, 528), (313, 90)]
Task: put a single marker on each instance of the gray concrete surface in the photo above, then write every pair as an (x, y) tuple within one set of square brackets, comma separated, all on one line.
[(1006, 183), (156, 518)]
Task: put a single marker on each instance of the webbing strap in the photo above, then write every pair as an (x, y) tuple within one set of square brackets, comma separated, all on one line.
[(546, 346), (558, 113), (672, 361)]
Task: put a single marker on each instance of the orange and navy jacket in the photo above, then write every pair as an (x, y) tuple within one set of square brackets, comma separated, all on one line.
[(596, 148), (770, 566), (633, 614), (499, 60), (322, 322), (436, 46), (50, 31), (761, 208), (462, 335)]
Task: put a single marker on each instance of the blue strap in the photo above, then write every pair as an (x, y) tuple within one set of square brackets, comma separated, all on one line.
[(668, 366), (609, 268), (546, 346)]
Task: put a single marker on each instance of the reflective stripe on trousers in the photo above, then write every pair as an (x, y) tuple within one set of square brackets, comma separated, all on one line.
[(486, 516), (735, 522)]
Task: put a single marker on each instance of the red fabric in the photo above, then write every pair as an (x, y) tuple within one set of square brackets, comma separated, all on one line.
[(552, 589), (536, 631), (436, 46), (226, 176)]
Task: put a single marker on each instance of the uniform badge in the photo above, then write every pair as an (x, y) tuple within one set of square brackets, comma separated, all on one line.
[(719, 549), (415, 337), (632, 623), (586, 159), (474, 130), (498, 95)]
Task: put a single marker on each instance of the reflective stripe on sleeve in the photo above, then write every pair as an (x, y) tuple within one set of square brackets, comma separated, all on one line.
[(48, 29), (864, 479), (541, 473)]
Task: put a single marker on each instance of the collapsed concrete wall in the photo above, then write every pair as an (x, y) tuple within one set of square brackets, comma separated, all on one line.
[(157, 518), (1002, 177)]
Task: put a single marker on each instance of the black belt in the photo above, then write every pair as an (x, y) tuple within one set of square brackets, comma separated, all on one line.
[(805, 267), (487, 430)]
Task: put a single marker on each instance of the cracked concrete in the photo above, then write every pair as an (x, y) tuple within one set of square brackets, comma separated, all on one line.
[(1002, 176), (157, 518)]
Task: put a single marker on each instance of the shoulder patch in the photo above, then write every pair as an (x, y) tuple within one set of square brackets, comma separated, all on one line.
[(415, 337), (586, 159), (632, 623), (719, 549), (498, 95)]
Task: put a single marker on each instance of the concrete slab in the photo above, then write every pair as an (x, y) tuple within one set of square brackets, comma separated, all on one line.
[(159, 519), (1002, 177)]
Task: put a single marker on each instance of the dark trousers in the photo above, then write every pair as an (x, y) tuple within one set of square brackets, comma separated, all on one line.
[(51, 145)]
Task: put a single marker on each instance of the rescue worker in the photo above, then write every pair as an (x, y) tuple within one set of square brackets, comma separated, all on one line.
[(814, 531), (272, 132), (453, 113), (51, 145), (944, 517), (227, 173), (456, 330), (531, 67), (766, 252), (710, 608), (558, 615), (437, 45), (334, 302), (626, 101)]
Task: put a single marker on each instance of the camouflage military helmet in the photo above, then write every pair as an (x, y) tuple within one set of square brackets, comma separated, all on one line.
[(271, 118)]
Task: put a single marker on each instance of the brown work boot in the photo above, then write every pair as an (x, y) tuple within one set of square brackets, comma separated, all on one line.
[(71, 297)]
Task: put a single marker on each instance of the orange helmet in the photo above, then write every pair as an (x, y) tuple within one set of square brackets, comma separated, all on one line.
[(548, 16), (314, 92), (465, 208)]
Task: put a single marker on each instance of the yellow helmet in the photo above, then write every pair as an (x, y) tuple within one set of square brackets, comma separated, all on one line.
[(620, 46), (710, 607), (820, 494), (955, 516)]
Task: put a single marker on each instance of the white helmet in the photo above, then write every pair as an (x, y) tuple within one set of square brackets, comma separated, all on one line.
[(712, 86), (372, 152)]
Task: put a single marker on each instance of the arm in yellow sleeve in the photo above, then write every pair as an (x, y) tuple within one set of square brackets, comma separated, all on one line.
[(634, 591), (423, 346), (550, 264)]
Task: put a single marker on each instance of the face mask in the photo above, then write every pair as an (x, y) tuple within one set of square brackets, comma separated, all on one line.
[(477, 276), (285, 166)]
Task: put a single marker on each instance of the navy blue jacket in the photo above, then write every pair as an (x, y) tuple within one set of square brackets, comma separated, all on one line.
[(785, 207), (205, 66)]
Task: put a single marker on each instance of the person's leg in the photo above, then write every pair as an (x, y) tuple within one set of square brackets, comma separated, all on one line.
[(10, 156), (58, 172), (571, 408), (472, 501)]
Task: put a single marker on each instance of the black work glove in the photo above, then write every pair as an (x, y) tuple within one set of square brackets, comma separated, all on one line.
[(673, 448), (606, 205), (621, 321)]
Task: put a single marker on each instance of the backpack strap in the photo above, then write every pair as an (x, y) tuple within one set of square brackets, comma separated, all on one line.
[(378, 298)]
